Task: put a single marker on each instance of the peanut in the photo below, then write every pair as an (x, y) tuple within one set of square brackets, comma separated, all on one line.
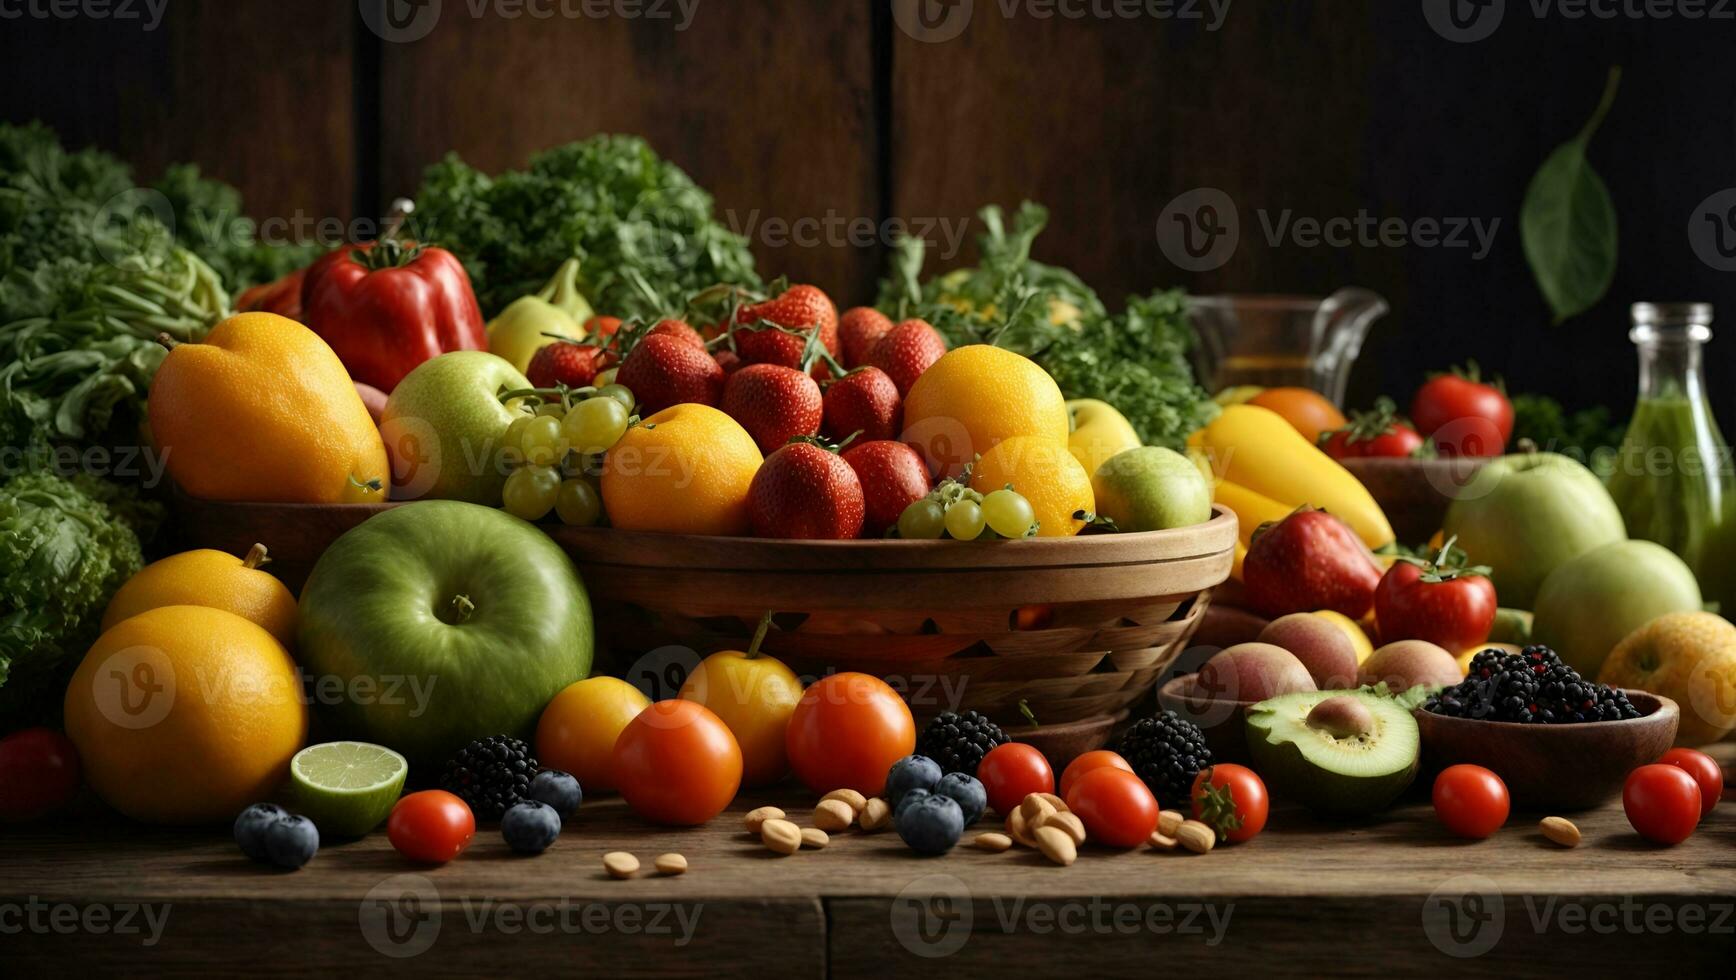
[(781, 836), (1195, 836), (992, 842), (1560, 830), (833, 815), (1168, 821), (670, 864), (757, 817), (815, 838), (876, 815), (1055, 801), (1056, 845), (856, 800), (1161, 841), (1018, 830), (1033, 807), (1067, 822), (620, 864)]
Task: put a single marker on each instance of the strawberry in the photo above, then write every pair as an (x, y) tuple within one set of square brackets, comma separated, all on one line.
[(662, 371), (864, 401), (727, 359), (773, 403), (893, 477), (797, 310), (805, 491), (1309, 560), (564, 363), (859, 329), (679, 330), (906, 351)]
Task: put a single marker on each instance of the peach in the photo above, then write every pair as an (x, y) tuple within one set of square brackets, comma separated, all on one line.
[(1324, 649), (1252, 672), (1407, 663)]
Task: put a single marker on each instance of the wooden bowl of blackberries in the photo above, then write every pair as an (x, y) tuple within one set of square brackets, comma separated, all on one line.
[(1559, 741)]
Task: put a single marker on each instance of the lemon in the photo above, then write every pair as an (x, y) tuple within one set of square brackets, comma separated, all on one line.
[(976, 396), (347, 788), (1045, 473)]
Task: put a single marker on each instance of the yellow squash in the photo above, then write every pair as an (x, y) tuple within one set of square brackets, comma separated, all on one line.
[(1255, 450)]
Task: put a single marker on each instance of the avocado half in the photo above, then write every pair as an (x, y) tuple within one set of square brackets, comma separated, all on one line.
[(1342, 772)]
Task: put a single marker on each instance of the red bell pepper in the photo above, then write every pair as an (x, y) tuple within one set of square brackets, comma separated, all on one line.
[(280, 296), (386, 307)]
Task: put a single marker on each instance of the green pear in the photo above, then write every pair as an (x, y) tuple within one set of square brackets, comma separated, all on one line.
[(1525, 515), (1149, 488), (1593, 602)]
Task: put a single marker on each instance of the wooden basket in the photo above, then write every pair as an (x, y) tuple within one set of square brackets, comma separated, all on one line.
[(1075, 629)]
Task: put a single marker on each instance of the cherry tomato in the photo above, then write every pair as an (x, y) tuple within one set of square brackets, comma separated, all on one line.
[(39, 774), (1471, 801), (1308, 412), (1012, 771), (846, 731), (1375, 433), (1232, 800), (1662, 802), (1464, 416), (432, 826), (1455, 612), (1115, 806), (1705, 771), (1087, 762), (677, 763)]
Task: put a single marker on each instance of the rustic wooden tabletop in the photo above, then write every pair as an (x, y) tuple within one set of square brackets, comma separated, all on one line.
[(1393, 896)]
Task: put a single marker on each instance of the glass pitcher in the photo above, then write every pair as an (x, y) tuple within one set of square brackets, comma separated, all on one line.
[(1275, 341), (1672, 479)]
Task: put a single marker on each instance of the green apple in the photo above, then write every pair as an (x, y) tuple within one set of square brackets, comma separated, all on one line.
[(1150, 488), (443, 424), (438, 622), (1524, 515), (1592, 602)]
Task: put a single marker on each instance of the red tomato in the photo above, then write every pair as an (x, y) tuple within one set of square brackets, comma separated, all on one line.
[(677, 763), (1377, 432), (432, 826), (1471, 801), (1462, 415), (1662, 803), (847, 730), (1456, 611), (39, 774), (1705, 771), (1012, 771), (1231, 799), (1087, 762), (1115, 806)]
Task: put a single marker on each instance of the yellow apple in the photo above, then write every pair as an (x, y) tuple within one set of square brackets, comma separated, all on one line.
[(1099, 432)]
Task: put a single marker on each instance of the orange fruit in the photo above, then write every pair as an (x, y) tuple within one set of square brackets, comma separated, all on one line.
[(207, 577), (1309, 412), (577, 731), (185, 714), (685, 470), (976, 396), (1045, 473), (263, 410)]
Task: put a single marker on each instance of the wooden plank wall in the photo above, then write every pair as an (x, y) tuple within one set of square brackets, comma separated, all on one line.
[(823, 112)]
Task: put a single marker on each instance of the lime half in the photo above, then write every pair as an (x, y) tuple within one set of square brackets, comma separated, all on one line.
[(346, 788)]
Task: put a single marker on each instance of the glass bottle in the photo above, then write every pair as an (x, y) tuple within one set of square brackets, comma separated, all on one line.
[(1672, 479)]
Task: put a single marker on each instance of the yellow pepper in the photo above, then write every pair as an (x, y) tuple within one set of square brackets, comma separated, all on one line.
[(525, 326)]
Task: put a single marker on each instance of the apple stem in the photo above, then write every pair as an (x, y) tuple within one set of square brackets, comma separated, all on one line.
[(256, 556), (462, 607), (759, 635)]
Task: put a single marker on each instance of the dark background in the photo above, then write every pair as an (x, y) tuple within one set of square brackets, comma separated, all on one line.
[(792, 110)]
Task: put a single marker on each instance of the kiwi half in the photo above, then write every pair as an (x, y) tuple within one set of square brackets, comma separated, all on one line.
[(1343, 753)]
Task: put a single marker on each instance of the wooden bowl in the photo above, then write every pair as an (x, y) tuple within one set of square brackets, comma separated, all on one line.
[(1415, 493), (1554, 767), (1221, 720), (1075, 629)]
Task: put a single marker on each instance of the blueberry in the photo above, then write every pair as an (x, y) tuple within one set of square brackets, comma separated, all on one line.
[(558, 790), (967, 792), (250, 828), (291, 841), (530, 827), (908, 773), (910, 797), (931, 824)]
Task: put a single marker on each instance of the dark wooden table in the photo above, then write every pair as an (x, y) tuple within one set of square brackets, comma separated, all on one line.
[(1395, 896)]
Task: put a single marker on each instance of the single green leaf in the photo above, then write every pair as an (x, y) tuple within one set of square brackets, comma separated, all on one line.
[(1568, 222)]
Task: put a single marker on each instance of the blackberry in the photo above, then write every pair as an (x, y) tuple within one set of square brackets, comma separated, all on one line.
[(490, 774), (959, 741), (1167, 752), (1531, 687)]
